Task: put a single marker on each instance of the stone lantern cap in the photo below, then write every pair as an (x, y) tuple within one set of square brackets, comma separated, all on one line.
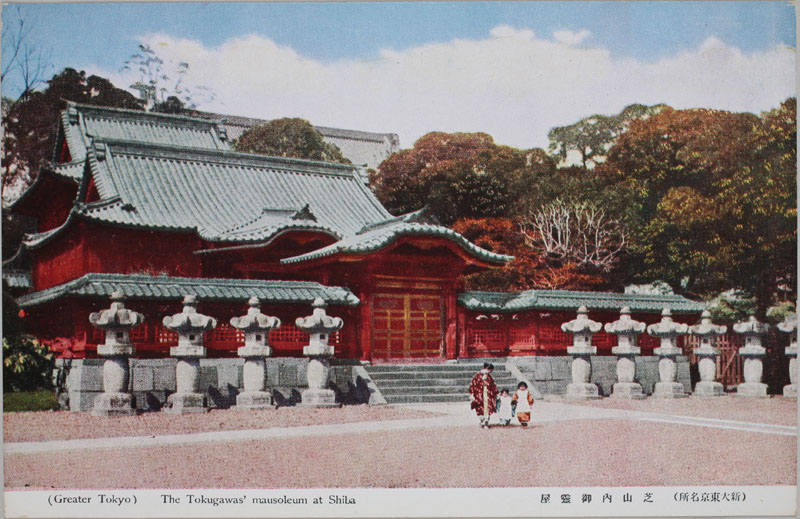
[(667, 330), (256, 327), (667, 327), (319, 321), (190, 325), (116, 322), (582, 324), (625, 325), (626, 329), (582, 328), (751, 326), (789, 325), (708, 333), (752, 329), (319, 325), (254, 320)]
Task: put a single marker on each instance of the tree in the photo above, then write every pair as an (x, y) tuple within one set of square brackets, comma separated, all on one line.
[(529, 269), (29, 126), (24, 66), (165, 84), (713, 199), (288, 137), (458, 175), (575, 233), (592, 136)]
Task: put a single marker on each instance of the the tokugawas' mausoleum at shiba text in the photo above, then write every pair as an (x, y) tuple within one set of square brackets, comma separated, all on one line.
[(158, 207)]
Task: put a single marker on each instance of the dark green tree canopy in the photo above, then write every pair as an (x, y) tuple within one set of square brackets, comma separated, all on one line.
[(288, 137), (593, 136), (30, 122)]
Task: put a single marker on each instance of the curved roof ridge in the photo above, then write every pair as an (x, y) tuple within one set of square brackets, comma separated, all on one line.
[(224, 156), (376, 239)]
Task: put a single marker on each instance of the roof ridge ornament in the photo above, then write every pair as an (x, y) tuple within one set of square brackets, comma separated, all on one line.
[(304, 214)]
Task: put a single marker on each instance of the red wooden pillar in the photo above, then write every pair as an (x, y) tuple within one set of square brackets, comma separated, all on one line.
[(365, 325), (451, 323), (462, 333)]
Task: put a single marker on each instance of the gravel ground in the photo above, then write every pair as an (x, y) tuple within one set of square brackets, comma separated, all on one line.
[(579, 453), (775, 410), (60, 425)]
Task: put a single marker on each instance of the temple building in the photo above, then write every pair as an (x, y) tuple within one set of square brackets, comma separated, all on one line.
[(159, 206)]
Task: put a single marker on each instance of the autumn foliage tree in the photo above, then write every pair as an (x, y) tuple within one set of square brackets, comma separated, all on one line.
[(458, 175), (713, 198)]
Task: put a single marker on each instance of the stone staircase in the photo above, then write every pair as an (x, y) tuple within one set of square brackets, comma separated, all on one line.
[(414, 383)]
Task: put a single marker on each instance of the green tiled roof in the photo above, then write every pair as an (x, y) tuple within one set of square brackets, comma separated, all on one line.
[(83, 123), (569, 300), (175, 173), (209, 289), (376, 236), (223, 195), (17, 278), (70, 170)]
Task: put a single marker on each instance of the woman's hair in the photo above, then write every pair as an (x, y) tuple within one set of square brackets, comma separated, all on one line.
[(521, 385), (504, 391)]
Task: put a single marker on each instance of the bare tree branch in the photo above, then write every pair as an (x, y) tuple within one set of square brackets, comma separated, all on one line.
[(577, 233)]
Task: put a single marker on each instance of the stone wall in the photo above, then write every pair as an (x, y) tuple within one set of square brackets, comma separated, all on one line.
[(79, 381), (550, 375)]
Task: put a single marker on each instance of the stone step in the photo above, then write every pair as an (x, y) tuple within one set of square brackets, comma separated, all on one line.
[(411, 399), (422, 390), (390, 375), (502, 381), (425, 367)]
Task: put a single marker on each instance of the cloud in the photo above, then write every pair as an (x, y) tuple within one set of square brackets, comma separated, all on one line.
[(511, 84), (571, 37)]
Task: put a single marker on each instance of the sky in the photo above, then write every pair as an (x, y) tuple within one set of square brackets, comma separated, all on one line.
[(511, 69)]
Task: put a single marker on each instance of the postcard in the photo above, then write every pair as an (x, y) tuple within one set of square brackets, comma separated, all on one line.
[(399, 259)]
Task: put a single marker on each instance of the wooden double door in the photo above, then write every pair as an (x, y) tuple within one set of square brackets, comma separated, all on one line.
[(407, 326)]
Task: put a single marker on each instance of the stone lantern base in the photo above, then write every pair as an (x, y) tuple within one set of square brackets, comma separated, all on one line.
[(185, 403), (319, 398), (752, 390), (627, 390), (114, 404), (708, 388), (790, 390), (669, 390), (582, 391), (253, 400)]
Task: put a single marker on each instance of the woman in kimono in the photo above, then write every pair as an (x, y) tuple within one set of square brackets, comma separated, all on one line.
[(482, 394), (524, 399)]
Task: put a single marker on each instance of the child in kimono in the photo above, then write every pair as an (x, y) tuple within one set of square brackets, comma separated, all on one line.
[(523, 400), (504, 410)]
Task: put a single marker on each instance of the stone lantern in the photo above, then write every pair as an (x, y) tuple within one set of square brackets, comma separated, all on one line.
[(753, 354), (190, 327), (256, 327), (116, 322), (320, 326), (668, 331), (706, 354), (789, 325), (626, 330), (582, 328)]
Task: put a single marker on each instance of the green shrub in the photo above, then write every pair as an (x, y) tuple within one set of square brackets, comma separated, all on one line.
[(27, 364), (41, 400)]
